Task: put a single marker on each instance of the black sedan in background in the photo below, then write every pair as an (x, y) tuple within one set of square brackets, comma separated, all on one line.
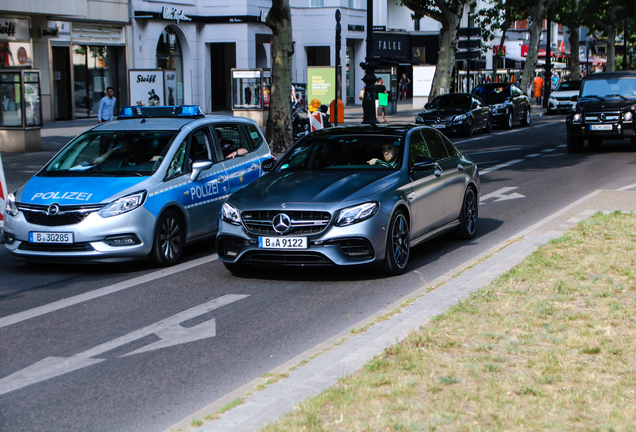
[(458, 113), (507, 101), (352, 195)]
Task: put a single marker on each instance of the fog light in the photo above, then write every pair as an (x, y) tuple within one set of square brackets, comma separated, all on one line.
[(122, 240)]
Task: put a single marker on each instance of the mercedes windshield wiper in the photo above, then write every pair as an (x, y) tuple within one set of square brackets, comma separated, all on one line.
[(592, 96), (617, 95)]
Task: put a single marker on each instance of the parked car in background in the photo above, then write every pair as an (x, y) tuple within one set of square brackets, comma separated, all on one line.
[(606, 110), (352, 195), (507, 101), (564, 97), (462, 113), (140, 187)]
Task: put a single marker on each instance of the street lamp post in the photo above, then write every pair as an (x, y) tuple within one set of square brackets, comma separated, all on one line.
[(368, 104)]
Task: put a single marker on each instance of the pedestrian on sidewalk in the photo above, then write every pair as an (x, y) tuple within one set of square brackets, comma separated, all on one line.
[(380, 88), (106, 106), (404, 84), (538, 88)]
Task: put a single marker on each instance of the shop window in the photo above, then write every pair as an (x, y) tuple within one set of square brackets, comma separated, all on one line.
[(169, 56), (318, 56)]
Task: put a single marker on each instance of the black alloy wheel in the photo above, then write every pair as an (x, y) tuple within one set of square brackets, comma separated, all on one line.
[(398, 248), (468, 217), (526, 118), (169, 240), (509, 120)]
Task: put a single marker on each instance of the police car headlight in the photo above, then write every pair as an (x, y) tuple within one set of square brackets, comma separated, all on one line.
[(230, 214), (356, 214), (10, 207), (123, 205)]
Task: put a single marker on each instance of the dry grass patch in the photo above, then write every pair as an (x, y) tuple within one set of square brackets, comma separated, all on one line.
[(549, 346)]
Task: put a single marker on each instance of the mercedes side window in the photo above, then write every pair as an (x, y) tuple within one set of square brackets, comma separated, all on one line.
[(417, 149), (176, 167), (452, 151), (435, 144)]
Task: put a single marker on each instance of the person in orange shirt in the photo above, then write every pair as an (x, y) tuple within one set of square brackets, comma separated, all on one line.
[(538, 87)]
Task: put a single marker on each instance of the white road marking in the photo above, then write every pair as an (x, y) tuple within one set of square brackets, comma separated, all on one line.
[(562, 146), (533, 155), (626, 187), (500, 195), (554, 154), (168, 330), (71, 301), (503, 165), (548, 150), (494, 151)]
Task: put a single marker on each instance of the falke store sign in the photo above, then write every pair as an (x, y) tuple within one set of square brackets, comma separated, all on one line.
[(392, 45), (172, 14)]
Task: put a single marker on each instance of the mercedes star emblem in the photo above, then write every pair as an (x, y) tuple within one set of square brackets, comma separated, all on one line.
[(601, 118), (53, 210), (281, 223)]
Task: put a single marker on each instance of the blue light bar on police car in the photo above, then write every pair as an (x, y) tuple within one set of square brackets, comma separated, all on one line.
[(192, 111)]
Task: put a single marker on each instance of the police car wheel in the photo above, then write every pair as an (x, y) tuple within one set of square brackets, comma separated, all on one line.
[(169, 240)]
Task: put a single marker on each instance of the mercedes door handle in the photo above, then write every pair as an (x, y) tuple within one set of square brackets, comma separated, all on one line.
[(410, 196), (438, 173), (221, 179), (460, 167)]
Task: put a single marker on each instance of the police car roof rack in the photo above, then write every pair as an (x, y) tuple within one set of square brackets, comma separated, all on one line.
[(143, 112)]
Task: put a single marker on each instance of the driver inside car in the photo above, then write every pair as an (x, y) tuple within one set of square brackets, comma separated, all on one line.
[(390, 153)]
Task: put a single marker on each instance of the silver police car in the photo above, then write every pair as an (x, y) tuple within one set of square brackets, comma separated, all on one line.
[(142, 186), (349, 196)]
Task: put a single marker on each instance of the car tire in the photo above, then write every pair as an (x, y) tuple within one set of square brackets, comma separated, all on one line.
[(575, 145), (398, 246), (169, 239), (509, 120), (489, 125), (470, 129), (468, 217), (527, 117)]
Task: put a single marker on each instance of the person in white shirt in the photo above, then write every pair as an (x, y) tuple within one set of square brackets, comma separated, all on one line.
[(106, 106)]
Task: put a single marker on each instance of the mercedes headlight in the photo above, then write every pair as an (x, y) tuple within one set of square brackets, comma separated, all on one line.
[(460, 119), (498, 107), (230, 214), (123, 205), (10, 207), (356, 214), (419, 119), (628, 116), (577, 118)]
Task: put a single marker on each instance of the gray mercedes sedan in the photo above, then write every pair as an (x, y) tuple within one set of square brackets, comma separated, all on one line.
[(352, 195)]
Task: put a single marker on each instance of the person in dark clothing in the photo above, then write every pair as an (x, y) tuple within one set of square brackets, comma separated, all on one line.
[(380, 88)]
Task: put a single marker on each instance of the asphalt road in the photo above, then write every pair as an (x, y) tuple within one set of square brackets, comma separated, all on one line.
[(79, 343)]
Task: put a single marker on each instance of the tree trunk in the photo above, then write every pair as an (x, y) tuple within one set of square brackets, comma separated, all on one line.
[(446, 60), (279, 126), (611, 48), (575, 69), (531, 59)]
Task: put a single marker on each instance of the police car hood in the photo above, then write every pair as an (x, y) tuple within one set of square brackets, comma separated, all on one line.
[(316, 186), (80, 190)]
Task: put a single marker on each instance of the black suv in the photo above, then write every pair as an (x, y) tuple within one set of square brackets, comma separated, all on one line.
[(605, 110), (507, 101)]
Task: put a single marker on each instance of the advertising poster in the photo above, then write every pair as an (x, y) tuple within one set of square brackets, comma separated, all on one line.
[(423, 80), (146, 87), (170, 85), (321, 84)]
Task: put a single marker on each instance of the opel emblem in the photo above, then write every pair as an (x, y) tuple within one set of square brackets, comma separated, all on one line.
[(53, 210), (601, 118), (281, 223)]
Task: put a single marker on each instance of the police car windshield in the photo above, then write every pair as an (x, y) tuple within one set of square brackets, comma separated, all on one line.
[(357, 152), (112, 153)]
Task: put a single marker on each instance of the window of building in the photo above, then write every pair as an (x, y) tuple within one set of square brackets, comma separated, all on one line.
[(169, 57), (317, 3)]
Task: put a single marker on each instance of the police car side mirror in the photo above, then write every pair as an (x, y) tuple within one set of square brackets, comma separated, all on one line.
[(199, 166), (268, 165)]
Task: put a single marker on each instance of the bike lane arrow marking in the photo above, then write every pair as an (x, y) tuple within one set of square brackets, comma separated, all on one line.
[(500, 195), (168, 330)]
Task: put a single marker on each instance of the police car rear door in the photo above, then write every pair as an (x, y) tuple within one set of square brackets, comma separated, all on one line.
[(241, 170)]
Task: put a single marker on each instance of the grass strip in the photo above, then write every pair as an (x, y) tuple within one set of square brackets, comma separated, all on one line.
[(548, 346)]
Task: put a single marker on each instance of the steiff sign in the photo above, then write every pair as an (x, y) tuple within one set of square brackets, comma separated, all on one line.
[(14, 30), (49, 32)]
